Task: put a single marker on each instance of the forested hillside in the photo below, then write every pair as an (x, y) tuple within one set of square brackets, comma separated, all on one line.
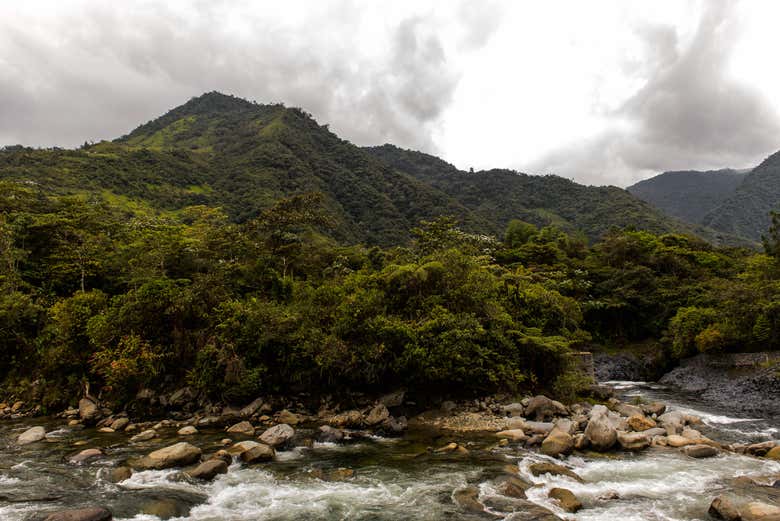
[(223, 151), (689, 195), (243, 249)]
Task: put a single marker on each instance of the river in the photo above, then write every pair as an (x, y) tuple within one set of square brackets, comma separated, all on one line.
[(394, 478)]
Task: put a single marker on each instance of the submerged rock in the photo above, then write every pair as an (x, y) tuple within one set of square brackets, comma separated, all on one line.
[(31, 435), (85, 455), (144, 436), (188, 430), (330, 434), (468, 499), (81, 514), (259, 453), (538, 469), (119, 474)]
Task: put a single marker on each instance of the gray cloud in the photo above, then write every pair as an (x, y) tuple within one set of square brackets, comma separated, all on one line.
[(689, 114), (102, 69)]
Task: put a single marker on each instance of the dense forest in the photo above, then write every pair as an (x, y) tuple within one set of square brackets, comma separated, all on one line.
[(243, 249), (123, 298)]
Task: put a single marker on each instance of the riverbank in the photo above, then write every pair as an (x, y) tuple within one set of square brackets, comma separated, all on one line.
[(630, 459)]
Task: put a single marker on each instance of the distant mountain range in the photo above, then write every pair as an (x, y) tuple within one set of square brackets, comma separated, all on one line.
[(734, 203), (220, 150)]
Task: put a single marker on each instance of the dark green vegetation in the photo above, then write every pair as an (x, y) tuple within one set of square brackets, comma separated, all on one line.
[(171, 257), (735, 205), (689, 195)]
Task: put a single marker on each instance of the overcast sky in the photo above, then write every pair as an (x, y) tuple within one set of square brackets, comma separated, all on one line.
[(605, 92)]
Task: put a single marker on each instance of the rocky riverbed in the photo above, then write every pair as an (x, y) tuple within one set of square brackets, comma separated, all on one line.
[(648, 454)]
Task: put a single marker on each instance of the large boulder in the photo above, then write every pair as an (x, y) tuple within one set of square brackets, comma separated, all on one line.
[(31, 435), (566, 499), (81, 514), (625, 409), (674, 421), (177, 455), (557, 442), (601, 432), (655, 408), (278, 435), (209, 469), (541, 408), (243, 428), (88, 410), (633, 440)]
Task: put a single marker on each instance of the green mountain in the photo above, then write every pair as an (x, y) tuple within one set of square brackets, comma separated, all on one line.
[(497, 196), (689, 194), (223, 151), (747, 212)]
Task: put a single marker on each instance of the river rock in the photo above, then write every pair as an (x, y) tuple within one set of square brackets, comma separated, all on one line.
[(377, 415), (675, 440), (177, 455), (537, 427), (84, 455), (580, 441), (633, 440), (259, 453), (468, 499), (625, 409), (252, 408), (394, 399), (722, 508), (209, 469), (239, 448), (540, 408), (513, 409), (144, 435), (187, 430), (655, 408), (528, 511), (88, 410), (674, 421), (278, 435), (537, 469), (600, 432), (31, 435), (351, 419), (119, 474), (700, 451), (330, 434), (557, 442), (640, 422), (81, 514), (566, 425), (760, 449), (513, 434), (244, 428), (290, 418), (774, 453), (120, 423), (566, 499), (758, 511), (513, 486)]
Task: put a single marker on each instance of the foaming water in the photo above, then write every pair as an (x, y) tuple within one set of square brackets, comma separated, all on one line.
[(393, 479)]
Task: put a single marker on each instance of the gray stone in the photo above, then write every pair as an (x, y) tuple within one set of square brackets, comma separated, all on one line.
[(209, 469), (177, 455), (31, 435), (278, 435)]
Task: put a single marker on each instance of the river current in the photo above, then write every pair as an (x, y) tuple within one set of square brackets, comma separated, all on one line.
[(394, 479)]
